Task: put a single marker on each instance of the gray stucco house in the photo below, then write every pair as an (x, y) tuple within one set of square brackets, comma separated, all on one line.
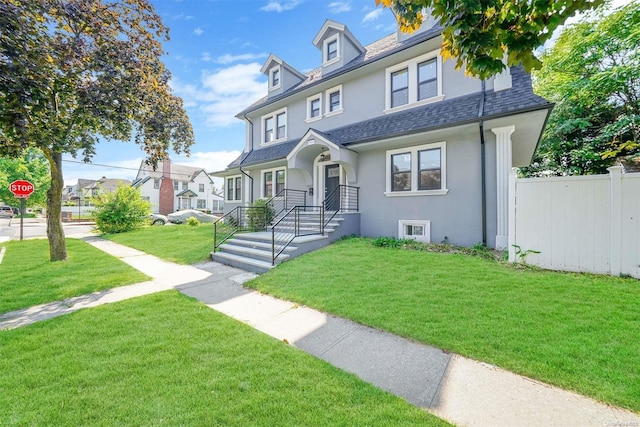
[(428, 149)]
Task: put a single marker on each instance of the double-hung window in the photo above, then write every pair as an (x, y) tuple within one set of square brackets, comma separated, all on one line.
[(334, 100), (314, 107), (414, 82), (400, 87), (275, 78), (331, 50), (274, 126), (200, 188), (234, 188), (416, 171), (273, 182)]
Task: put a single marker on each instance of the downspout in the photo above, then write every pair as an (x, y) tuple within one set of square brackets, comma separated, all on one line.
[(483, 166), (240, 168)]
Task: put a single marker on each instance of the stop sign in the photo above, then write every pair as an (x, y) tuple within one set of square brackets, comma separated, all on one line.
[(21, 188)]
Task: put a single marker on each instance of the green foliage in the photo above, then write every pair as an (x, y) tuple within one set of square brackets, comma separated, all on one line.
[(72, 72), (592, 74), (478, 34), (260, 218), (120, 211), (522, 254), (193, 221), (33, 167)]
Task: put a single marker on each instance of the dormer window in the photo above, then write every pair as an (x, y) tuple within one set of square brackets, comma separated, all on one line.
[(274, 78), (331, 51)]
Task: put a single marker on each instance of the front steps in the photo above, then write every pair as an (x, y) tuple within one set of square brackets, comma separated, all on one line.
[(252, 251)]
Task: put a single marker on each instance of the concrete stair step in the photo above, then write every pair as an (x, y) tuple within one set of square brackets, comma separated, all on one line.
[(238, 261), (260, 254), (256, 244)]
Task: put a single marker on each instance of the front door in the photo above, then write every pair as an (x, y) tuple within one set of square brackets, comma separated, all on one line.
[(331, 183)]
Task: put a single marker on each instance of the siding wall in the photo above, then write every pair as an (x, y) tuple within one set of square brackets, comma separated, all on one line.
[(585, 223)]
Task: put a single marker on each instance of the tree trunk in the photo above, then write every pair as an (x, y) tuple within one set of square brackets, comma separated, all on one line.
[(55, 233)]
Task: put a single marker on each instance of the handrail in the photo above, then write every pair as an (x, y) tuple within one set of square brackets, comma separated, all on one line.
[(290, 226), (242, 218), (344, 198), (286, 199)]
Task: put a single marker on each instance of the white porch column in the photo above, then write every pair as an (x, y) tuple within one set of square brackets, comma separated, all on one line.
[(503, 166)]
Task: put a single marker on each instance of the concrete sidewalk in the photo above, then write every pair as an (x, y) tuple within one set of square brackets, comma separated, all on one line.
[(457, 389)]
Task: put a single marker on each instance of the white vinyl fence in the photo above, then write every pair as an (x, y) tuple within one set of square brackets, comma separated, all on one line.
[(578, 223)]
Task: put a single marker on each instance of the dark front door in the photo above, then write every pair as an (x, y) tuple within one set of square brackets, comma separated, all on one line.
[(331, 183)]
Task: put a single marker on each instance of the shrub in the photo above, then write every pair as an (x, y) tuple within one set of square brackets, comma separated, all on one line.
[(259, 218), (193, 221), (120, 211)]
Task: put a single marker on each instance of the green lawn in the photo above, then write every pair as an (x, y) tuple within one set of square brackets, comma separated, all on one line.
[(28, 277), (183, 244), (166, 359), (577, 331)]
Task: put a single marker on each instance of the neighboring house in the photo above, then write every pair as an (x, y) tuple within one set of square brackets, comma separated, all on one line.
[(173, 187), (85, 189), (429, 149)]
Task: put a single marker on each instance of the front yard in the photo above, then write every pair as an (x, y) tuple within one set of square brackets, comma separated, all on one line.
[(166, 359), (579, 332)]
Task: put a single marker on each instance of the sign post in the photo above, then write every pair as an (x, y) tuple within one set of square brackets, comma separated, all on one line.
[(21, 189)]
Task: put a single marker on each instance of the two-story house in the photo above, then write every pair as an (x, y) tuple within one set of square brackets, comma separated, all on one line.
[(171, 187), (428, 148)]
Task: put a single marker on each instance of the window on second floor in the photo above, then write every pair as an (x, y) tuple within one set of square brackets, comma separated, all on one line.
[(200, 188), (274, 126), (156, 184), (334, 100), (414, 82), (314, 107), (185, 185), (175, 185)]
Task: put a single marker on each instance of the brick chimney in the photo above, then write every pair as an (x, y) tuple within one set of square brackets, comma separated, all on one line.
[(166, 198)]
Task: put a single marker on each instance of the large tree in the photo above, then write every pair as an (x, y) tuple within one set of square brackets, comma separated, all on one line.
[(592, 73), (479, 33), (74, 71), (33, 167)]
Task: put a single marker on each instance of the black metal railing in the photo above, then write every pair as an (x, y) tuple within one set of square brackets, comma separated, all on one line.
[(239, 220), (297, 221), (344, 198), (286, 199)]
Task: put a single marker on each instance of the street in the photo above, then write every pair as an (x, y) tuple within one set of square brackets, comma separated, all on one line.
[(37, 227)]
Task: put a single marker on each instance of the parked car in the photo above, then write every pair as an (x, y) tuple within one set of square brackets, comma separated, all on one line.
[(180, 217), (8, 211), (157, 219)]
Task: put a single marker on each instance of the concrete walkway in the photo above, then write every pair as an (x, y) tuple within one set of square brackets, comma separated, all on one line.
[(457, 389)]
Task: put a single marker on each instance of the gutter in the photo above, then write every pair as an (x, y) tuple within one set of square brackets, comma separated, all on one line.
[(483, 166), (250, 151)]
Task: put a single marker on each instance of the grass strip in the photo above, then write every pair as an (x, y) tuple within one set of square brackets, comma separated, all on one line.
[(577, 331), (182, 243), (28, 277), (167, 359)]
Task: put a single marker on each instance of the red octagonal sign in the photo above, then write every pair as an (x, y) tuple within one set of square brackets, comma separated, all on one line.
[(21, 188)]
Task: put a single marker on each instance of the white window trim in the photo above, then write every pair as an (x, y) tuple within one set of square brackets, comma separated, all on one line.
[(412, 67), (271, 71), (426, 224), (274, 115), (226, 190), (414, 171), (273, 178), (327, 94), (325, 61), (309, 100)]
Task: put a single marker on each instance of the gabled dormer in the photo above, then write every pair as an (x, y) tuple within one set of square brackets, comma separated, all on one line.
[(281, 75), (337, 44)]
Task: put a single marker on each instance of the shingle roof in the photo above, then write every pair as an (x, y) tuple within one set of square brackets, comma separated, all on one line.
[(373, 52), (446, 113)]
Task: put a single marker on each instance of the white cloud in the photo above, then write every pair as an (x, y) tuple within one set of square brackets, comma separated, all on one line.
[(206, 57), (280, 6), (228, 58), (339, 7), (372, 16), (198, 31), (222, 93)]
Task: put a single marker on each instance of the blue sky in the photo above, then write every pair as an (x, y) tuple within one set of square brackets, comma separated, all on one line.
[(216, 50)]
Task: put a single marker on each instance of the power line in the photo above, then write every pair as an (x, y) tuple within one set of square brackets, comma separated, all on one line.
[(171, 174)]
